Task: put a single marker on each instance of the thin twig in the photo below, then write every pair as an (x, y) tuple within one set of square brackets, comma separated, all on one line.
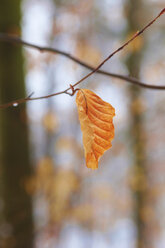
[(138, 33), (19, 41), (15, 103), (13, 39)]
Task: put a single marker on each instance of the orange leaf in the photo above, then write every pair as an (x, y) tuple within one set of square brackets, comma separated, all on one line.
[(95, 117)]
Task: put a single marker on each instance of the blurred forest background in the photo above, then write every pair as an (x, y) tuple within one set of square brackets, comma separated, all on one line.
[(48, 198)]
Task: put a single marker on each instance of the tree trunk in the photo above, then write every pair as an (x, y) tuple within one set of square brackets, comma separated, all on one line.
[(14, 151), (135, 22)]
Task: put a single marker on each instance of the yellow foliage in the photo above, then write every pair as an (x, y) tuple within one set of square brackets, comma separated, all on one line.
[(57, 186), (103, 193), (65, 183), (50, 122), (136, 45), (42, 178), (83, 213), (65, 143), (88, 53)]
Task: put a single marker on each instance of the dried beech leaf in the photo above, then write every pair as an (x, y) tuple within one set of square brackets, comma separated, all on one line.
[(95, 117)]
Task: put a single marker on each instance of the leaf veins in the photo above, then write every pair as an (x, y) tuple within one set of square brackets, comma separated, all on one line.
[(96, 120)]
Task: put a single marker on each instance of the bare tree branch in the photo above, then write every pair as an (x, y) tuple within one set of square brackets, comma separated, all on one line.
[(17, 40), (138, 33)]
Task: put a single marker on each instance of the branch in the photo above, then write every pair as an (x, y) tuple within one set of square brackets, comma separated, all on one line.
[(138, 33), (15, 103), (17, 40)]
